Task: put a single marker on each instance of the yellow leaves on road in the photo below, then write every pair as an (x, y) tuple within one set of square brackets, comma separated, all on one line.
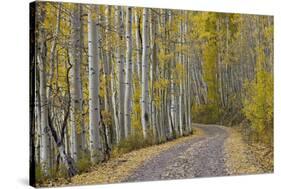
[(117, 169), (242, 158)]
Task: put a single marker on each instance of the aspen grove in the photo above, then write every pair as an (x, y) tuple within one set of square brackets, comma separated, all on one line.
[(113, 79)]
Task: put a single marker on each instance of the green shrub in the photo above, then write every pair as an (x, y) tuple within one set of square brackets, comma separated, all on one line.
[(84, 162), (134, 142), (52, 174), (39, 175), (206, 113), (258, 105)]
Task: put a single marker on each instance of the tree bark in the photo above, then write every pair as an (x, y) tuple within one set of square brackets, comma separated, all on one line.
[(145, 75), (82, 134), (41, 59), (121, 74), (75, 114), (188, 95), (138, 44), (66, 159), (94, 85), (109, 76), (128, 79)]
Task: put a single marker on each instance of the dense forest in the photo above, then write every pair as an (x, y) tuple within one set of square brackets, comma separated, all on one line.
[(111, 79)]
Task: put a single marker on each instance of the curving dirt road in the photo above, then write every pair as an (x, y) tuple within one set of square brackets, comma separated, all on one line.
[(200, 157), (212, 151)]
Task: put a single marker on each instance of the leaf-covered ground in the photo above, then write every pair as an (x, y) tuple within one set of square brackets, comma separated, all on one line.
[(211, 151), (243, 158), (199, 157), (117, 169)]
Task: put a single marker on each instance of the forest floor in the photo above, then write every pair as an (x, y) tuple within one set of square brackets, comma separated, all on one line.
[(211, 151)]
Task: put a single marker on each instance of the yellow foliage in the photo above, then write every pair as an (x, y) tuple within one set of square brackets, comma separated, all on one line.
[(180, 71), (102, 87), (269, 33), (161, 84), (258, 104), (210, 71), (164, 57)]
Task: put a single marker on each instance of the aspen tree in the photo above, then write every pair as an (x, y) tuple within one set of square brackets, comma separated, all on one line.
[(45, 159), (145, 75), (94, 106), (121, 73), (128, 77)]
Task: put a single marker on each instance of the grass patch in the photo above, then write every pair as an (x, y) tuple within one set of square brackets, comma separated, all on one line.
[(133, 142)]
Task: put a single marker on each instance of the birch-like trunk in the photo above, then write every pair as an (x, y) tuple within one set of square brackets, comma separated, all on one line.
[(109, 76), (94, 109), (154, 62), (75, 114), (128, 78), (121, 74), (58, 139), (82, 134), (41, 54), (186, 98), (145, 75), (187, 87), (37, 103), (188, 95), (181, 87), (51, 75), (138, 44)]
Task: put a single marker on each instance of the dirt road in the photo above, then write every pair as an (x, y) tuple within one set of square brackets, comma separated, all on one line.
[(212, 151), (200, 157)]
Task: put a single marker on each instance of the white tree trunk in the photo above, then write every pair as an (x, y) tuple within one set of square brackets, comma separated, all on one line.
[(45, 137), (181, 101), (75, 114), (94, 109), (185, 88), (188, 95), (153, 65), (51, 74), (114, 107), (121, 74), (128, 79), (181, 110), (37, 119), (138, 44), (82, 135), (145, 75), (109, 76)]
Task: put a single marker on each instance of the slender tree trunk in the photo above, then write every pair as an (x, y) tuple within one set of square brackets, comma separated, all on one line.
[(45, 153), (173, 107), (153, 75), (186, 126), (75, 60), (188, 95), (59, 139), (144, 80), (94, 109), (115, 131), (37, 130), (41, 59), (121, 74), (108, 76), (138, 43), (82, 134), (181, 105), (128, 80)]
